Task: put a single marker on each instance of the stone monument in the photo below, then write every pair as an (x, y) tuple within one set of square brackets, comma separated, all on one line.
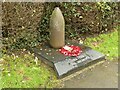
[(51, 55), (57, 29)]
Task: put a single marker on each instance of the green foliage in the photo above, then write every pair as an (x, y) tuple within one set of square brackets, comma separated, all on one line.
[(82, 18), (22, 40), (44, 23), (105, 43), (27, 24), (109, 15), (25, 71), (20, 22)]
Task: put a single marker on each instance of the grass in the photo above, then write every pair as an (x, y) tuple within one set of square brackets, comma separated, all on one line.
[(25, 71), (105, 43)]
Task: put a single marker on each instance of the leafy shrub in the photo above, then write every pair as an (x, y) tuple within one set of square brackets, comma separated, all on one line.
[(19, 23), (82, 17), (27, 24)]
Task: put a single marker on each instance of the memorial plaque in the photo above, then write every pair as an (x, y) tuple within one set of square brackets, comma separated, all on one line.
[(64, 64)]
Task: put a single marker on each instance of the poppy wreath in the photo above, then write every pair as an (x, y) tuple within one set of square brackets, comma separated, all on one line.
[(70, 50)]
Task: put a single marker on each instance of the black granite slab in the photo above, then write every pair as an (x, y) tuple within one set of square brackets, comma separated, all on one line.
[(64, 64)]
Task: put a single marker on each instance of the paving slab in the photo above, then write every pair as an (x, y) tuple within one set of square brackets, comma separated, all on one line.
[(101, 76)]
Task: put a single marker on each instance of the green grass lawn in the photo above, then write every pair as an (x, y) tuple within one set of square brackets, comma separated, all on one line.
[(25, 71), (105, 43)]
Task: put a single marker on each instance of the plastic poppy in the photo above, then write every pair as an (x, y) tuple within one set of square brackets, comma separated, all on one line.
[(70, 50)]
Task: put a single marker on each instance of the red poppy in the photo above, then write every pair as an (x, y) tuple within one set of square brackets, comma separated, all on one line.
[(70, 50)]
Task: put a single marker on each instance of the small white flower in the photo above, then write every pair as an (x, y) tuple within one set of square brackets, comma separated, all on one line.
[(2, 69), (16, 56), (36, 60), (80, 16), (24, 49), (105, 24), (13, 54), (106, 29), (29, 52), (32, 54), (23, 81), (1, 59), (9, 74), (107, 54), (23, 27), (81, 42), (34, 11)]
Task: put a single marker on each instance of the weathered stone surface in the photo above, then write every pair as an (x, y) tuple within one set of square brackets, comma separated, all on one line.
[(57, 29), (66, 64)]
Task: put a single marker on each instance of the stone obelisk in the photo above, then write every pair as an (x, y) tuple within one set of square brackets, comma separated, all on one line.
[(57, 29)]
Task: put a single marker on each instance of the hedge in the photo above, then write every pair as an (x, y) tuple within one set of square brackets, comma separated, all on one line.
[(20, 22), (27, 24)]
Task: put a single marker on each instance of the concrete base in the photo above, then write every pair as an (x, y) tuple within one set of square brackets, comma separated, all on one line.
[(66, 64)]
